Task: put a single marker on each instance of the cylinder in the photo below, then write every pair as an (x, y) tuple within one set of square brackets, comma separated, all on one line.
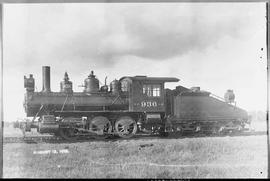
[(48, 124), (48, 128), (46, 79)]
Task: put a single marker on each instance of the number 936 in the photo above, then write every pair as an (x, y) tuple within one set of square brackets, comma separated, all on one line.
[(149, 104)]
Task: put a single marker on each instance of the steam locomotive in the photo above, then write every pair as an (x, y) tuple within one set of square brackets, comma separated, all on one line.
[(128, 106)]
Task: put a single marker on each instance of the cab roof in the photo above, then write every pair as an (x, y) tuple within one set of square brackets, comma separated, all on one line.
[(151, 79)]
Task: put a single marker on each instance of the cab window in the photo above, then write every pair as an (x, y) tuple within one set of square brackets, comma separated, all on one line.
[(152, 90), (125, 86)]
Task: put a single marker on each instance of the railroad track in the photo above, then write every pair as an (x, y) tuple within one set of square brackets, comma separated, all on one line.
[(31, 139), (54, 139)]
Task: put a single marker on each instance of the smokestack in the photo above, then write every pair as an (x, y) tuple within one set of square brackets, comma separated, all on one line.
[(46, 79)]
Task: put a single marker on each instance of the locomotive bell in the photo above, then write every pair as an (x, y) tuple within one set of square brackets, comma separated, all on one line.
[(229, 96), (66, 85), (91, 83)]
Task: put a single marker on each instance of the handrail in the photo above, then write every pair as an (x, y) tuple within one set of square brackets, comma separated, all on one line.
[(222, 99), (37, 113), (217, 97), (64, 103), (115, 99)]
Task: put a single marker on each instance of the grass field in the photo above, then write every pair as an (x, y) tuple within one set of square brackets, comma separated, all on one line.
[(220, 157)]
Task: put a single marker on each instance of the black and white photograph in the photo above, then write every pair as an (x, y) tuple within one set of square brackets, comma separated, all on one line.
[(153, 90)]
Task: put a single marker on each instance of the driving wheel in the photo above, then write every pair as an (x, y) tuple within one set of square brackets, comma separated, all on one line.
[(125, 127)]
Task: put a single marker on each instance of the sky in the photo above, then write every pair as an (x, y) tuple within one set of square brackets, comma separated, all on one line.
[(216, 46)]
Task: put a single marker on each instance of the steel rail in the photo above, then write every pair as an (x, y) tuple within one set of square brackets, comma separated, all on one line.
[(55, 139)]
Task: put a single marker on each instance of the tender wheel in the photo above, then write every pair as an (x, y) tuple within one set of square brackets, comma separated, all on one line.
[(238, 130), (69, 134), (176, 131), (101, 127), (162, 132), (222, 131), (215, 131), (125, 127)]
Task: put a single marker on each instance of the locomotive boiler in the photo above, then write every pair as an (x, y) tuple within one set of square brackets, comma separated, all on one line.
[(128, 106)]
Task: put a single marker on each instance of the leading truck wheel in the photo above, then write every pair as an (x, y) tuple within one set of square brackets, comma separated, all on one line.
[(69, 134), (125, 127), (101, 127)]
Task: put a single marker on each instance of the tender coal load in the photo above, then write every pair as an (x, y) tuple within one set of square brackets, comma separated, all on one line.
[(195, 89)]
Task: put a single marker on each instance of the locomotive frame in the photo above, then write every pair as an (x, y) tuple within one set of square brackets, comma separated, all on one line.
[(132, 105)]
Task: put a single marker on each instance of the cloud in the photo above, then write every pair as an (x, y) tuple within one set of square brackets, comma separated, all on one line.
[(101, 34), (155, 32)]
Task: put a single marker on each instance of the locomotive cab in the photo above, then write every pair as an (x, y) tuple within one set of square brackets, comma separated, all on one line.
[(147, 97), (146, 94)]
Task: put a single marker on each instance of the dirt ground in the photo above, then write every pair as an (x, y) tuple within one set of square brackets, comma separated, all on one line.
[(213, 157)]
